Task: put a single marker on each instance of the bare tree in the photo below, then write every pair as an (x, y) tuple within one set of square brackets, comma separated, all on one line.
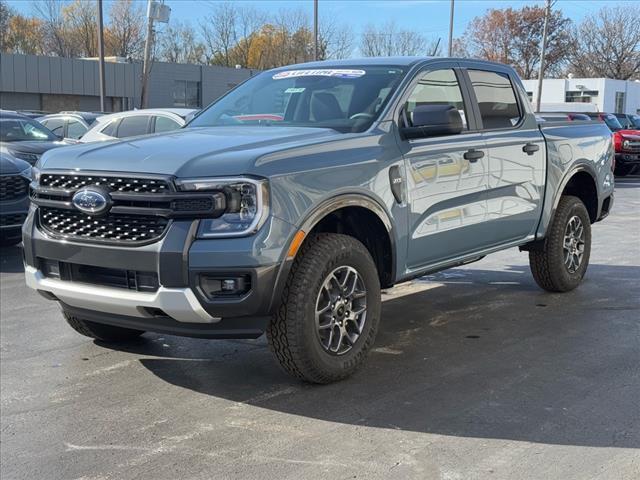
[(124, 35), (388, 40), (178, 43), (56, 33), (607, 44), (219, 32), (335, 41), (5, 16)]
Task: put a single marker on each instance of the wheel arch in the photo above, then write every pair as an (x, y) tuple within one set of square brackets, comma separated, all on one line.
[(580, 182)]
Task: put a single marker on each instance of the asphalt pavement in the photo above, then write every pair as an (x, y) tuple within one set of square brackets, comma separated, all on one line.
[(476, 374)]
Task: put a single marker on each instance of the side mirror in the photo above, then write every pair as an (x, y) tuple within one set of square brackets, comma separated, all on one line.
[(431, 121)]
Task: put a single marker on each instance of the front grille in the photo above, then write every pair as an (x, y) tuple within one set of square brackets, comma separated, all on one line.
[(12, 220), (633, 147), (111, 227), (13, 187), (118, 184)]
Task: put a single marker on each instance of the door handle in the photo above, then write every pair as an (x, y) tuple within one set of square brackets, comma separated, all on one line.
[(530, 148), (473, 155)]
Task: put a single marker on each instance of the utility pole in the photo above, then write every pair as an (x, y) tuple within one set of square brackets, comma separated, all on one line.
[(315, 29), (101, 57), (451, 30), (146, 66), (547, 14)]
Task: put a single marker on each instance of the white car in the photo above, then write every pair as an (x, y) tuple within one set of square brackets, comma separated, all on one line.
[(137, 122)]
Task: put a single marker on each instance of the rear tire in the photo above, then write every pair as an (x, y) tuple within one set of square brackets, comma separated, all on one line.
[(100, 331), (562, 262), (329, 312)]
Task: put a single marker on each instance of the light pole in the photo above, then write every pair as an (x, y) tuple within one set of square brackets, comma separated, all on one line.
[(451, 30), (547, 13), (146, 65), (315, 29), (101, 56)]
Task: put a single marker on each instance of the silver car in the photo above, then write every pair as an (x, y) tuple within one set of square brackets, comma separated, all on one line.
[(134, 123)]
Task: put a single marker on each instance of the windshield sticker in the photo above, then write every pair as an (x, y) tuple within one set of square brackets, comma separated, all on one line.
[(340, 73), (294, 90)]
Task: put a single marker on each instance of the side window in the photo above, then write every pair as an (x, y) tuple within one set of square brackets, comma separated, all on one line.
[(111, 128), (132, 126), (75, 129), (165, 124), (56, 125), (496, 99), (439, 87)]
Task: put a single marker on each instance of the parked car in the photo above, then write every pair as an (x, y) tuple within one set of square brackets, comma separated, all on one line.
[(625, 141), (34, 114), (137, 122), (628, 121), (15, 176), (71, 125), (25, 138), (289, 203)]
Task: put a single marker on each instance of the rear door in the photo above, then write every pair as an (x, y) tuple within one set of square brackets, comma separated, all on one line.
[(446, 175), (516, 160)]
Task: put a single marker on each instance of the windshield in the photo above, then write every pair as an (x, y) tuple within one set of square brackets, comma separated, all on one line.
[(635, 121), (345, 99), (612, 122), (20, 129)]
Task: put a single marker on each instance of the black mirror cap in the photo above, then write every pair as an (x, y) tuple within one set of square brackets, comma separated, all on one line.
[(434, 120)]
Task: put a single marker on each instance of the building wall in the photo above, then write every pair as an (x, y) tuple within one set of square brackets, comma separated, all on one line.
[(554, 91), (46, 83)]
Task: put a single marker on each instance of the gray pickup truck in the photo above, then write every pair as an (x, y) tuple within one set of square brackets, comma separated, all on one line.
[(286, 205)]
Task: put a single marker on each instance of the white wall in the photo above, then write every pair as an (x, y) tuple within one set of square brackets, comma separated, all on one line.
[(554, 90)]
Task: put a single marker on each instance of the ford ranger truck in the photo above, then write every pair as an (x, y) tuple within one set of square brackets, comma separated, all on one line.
[(286, 205)]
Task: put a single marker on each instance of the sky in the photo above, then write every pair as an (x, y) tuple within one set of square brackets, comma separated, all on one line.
[(429, 17)]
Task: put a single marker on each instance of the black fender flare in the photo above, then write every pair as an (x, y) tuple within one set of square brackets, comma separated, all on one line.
[(325, 208)]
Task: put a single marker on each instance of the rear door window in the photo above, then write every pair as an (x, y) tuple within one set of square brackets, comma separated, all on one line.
[(75, 129), (496, 99), (56, 125), (132, 126), (165, 124)]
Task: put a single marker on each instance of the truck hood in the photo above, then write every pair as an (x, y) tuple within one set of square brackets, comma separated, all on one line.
[(629, 134), (189, 152), (10, 165)]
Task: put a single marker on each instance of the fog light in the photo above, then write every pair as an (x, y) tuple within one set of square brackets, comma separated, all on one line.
[(50, 268), (225, 285)]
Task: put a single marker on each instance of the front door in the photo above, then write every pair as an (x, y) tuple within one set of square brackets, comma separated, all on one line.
[(446, 177)]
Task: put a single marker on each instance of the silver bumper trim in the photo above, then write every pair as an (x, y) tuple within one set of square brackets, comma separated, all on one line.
[(180, 304)]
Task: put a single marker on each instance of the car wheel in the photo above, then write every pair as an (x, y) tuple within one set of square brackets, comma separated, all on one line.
[(562, 262), (330, 310)]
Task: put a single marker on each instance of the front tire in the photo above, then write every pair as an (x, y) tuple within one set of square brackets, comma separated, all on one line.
[(562, 262), (329, 312), (100, 331)]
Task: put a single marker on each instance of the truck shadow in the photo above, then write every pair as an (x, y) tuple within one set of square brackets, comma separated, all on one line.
[(479, 353)]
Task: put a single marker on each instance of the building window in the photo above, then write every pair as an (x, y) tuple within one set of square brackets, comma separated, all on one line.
[(186, 94), (530, 95), (619, 102), (581, 96)]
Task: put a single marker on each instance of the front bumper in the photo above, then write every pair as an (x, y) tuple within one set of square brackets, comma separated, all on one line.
[(628, 158), (179, 305)]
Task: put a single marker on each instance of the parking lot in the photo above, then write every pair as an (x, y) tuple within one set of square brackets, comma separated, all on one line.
[(477, 373)]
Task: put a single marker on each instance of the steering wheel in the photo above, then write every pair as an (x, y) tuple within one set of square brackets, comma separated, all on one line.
[(355, 116)]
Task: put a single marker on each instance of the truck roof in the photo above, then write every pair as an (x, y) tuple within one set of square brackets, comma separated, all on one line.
[(382, 61)]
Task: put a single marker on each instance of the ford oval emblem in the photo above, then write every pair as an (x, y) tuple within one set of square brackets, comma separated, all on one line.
[(91, 201)]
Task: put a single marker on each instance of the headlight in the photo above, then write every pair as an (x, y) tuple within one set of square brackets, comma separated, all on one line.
[(247, 205), (625, 145), (35, 174), (32, 158)]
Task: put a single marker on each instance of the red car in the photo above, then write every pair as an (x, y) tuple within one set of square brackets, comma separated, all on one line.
[(626, 143)]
